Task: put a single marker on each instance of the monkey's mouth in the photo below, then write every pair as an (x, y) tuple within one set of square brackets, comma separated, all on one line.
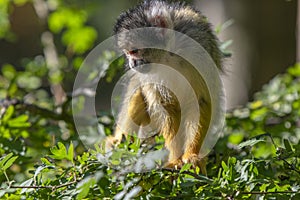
[(137, 64), (133, 63)]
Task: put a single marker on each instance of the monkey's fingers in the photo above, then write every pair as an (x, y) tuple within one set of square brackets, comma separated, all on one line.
[(191, 158), (174, 164), (111, 142), (196, 161)]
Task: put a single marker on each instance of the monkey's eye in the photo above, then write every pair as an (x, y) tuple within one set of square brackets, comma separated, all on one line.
[(134, 51)]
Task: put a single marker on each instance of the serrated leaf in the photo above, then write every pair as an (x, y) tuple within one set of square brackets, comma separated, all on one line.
[(59, 152)]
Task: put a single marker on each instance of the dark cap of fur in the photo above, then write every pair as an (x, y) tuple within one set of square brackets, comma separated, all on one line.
[(136, 17), (191, 23)]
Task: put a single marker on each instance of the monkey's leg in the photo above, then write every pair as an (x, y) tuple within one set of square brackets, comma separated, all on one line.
[(174, 141), (135, 112), (193, 145)]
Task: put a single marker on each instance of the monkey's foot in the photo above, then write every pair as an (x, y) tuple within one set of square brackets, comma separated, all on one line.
[(191, 158), (174, 164), (178, 163), (111, 142), (195, 161)]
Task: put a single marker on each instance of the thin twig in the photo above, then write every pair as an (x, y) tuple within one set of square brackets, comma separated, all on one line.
[(273, 192), (197, 176), (55, 187), (292, 167)]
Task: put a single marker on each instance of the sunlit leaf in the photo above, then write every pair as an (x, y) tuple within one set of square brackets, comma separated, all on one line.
[(70, 152), (8, 71), (80, 39), (59, 152), (7, 161), (250, 142), (8, 113), (295, 70)]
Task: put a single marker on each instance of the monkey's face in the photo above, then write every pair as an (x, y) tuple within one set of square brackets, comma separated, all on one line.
[(137, 57), (132, 38)]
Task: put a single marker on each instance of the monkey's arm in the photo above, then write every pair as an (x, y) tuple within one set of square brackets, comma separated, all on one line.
[(135, 112)]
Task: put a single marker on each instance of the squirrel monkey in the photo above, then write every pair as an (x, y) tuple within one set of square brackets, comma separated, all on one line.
[(143, 104)]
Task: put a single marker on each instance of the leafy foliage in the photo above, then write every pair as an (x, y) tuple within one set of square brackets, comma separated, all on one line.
[(41, 157)]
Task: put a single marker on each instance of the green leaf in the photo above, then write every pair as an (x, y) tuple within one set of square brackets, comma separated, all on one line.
[(40, 169), (295, 70), (59, 152), (83, 187), (70, 152), (80, 39), (236, 138), (28, 81), (250, 142), (221, 27), (287, 145), (258, 114), (185, 167), (66, 18), (226, 44), (8, 71), (27, 183), (7, 161), (45, 161), (19, 122), (224, 166), (5, 158), (264, 187), (8, 113)]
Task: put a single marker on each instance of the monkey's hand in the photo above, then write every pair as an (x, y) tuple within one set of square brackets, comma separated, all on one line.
[(113, 140)]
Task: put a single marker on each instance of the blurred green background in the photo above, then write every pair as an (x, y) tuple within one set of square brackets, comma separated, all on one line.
[(263, 34), (42, 46)]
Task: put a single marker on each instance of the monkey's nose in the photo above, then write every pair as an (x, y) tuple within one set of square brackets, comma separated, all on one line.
[(139, 62), (136, 63)]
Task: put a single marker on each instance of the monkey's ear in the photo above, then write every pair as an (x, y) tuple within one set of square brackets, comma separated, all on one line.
[(160, 21), (160, 17)]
